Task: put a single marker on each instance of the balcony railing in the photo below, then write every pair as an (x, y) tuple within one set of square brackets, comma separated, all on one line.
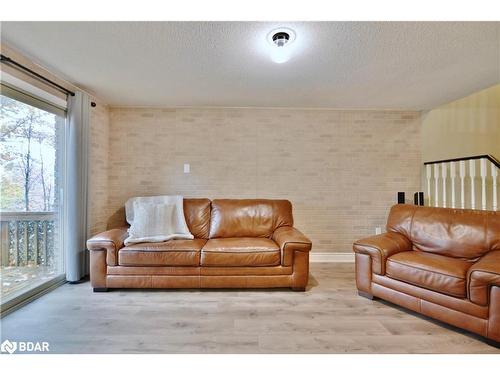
[(27, 239)]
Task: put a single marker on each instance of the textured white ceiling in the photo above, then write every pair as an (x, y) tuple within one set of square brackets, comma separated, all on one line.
[(412, 65)]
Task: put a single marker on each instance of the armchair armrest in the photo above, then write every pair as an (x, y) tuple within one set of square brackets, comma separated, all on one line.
[(381, 247), (290, 240), (111, 241), (482, 275)]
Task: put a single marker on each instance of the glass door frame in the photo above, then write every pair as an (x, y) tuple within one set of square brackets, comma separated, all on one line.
[(27, 296)]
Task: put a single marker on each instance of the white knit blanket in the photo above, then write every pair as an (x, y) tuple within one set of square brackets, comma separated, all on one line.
[(156, 219)]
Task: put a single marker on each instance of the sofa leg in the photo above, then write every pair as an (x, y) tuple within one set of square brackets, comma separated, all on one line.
[(299, 288), (97, 290), (366, 295)]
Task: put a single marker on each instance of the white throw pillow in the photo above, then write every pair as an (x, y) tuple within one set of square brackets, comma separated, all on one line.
[(156, 222), (156, 219), (177, 200), (152, 220)]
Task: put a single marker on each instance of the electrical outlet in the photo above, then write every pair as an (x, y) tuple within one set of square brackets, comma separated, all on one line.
[(187, 168), (378, 230)]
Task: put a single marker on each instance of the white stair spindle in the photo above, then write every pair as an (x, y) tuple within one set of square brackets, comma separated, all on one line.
[(483, 183), (472, 175), (452, 178), (428, 177), (436, 185), (443, 176), (462, 183), (494, 175)]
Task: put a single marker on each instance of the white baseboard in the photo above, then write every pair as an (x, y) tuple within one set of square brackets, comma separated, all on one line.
[(331, 257)]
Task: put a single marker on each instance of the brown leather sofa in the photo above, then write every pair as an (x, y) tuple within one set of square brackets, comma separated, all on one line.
[(248, 243), (443, 263)]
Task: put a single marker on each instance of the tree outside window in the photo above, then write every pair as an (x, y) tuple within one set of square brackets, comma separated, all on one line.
[(27, 156)]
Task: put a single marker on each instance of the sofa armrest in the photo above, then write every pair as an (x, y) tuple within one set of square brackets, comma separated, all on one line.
[(483, 274), (111, 241), (381, 247), (290, 239)]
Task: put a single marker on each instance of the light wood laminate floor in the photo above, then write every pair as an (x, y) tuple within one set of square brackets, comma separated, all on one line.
[(328, 318)]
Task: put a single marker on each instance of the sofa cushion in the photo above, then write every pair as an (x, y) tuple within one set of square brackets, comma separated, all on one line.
[(197, 214), (467, 234), (249, 217), (240, 252), (169, 253), (430, 271)]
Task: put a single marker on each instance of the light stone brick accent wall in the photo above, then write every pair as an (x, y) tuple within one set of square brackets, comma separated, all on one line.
[(340, 169), (98, 169)]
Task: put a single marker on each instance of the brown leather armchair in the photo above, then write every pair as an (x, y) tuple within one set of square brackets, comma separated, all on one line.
[(440, 262), (248, 243)]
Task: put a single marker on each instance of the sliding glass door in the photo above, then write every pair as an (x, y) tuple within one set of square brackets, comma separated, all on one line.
[(31, 195)]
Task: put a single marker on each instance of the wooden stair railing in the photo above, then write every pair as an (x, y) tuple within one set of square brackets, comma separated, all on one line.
[(442, 177)]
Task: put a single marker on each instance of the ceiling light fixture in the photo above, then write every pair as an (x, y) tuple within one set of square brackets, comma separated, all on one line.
[(280, 40)]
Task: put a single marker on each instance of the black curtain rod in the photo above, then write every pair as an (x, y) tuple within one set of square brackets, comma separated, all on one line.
[(9, 61)]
